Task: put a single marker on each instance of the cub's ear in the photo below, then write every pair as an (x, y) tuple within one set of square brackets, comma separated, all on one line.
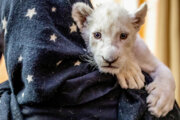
[(80, 12), (139, 16)]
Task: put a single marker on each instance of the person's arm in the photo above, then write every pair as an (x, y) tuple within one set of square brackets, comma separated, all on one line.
[(3, 72), (162, 89)]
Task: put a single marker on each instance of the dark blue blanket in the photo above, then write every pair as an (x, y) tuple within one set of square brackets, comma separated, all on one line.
[(47, 78)]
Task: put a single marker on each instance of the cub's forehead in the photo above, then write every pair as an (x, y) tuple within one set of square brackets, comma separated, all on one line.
[(110, 15)]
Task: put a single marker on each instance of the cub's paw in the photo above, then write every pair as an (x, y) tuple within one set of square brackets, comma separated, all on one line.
[(161, 98), (131, 77)]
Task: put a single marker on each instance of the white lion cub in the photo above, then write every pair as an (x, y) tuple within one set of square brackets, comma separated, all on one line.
[(110, 33)]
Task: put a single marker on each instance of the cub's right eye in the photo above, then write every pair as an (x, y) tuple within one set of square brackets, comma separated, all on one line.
[(97, 35)]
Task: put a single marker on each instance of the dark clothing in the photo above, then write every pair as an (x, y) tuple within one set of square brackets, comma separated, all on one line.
[(47, 78)]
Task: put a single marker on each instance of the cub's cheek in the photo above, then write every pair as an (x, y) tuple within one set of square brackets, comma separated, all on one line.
[(93, 43), (94, 49), (98, 61)]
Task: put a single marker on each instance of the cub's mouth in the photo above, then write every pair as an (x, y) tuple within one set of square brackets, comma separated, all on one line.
[(109, 69), (110, 66)]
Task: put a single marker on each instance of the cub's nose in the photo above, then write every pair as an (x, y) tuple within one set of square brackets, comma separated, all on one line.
[(110, 61)]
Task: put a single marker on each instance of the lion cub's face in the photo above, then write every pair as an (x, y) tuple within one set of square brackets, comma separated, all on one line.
[(109, 32)]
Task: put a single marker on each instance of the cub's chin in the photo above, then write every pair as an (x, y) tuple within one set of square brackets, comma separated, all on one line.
[(109, 69)]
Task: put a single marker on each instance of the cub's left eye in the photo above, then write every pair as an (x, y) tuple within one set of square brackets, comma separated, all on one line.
[(123, 36), (97, 35)]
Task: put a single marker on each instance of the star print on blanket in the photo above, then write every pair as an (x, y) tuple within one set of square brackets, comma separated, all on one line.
[(47, 78)]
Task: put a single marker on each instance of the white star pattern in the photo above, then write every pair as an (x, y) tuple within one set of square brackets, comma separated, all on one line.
[(95, 116), (53, 9), (77, 63), (111, 99), (23, 95), (4, 23), (20, 58), (71, 112), (31, 13), (84, 50), (73, 28), (29, 78), (5, 31), (89, 81), (58, 63), (53, 37), (60, 110)]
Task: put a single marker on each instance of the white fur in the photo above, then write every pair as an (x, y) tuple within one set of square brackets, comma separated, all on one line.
[(110, 19)]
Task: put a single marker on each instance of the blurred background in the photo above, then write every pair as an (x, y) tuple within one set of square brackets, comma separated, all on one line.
[(161, 32)]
